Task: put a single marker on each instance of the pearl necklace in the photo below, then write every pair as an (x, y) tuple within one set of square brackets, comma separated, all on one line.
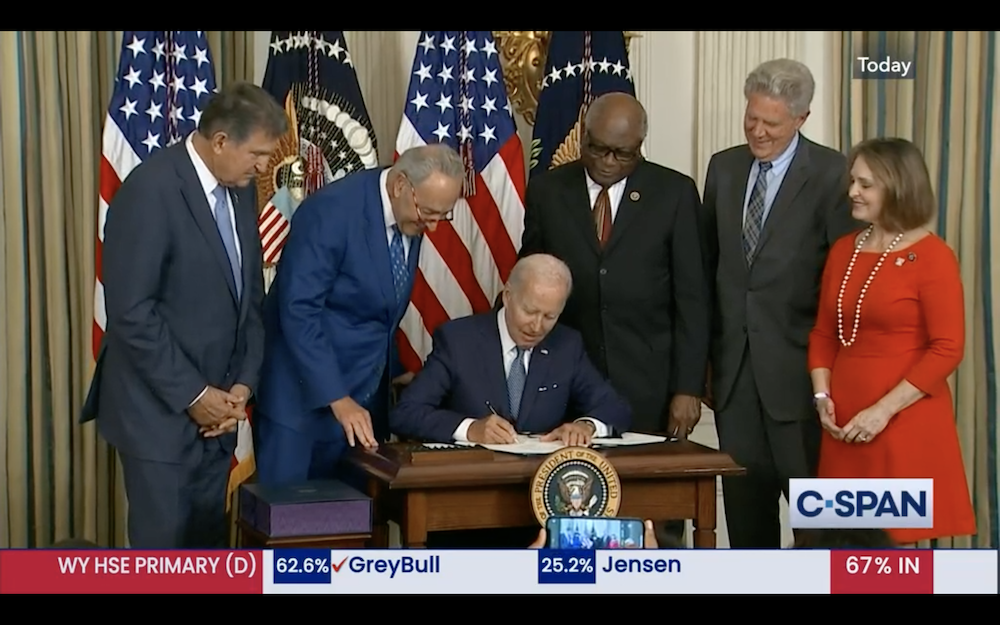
[(864, 289)]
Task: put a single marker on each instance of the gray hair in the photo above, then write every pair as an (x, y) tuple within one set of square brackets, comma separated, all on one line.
[(240, 109), (786, 79), (543, 268), (597, 107), (418, 163)]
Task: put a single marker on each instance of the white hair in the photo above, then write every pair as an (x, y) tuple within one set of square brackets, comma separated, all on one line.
[(543, 268), (785, 79)]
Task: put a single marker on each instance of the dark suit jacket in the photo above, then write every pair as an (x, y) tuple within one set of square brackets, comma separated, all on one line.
[(642, 303), (174, 322), (331, 313), (466, 369), (771, 307)]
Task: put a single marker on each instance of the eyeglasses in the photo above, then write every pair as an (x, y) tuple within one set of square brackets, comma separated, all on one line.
[(425, 215), (602, 151)]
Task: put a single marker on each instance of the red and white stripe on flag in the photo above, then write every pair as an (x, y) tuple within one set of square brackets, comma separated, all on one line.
[(273, 229), (457, 96)]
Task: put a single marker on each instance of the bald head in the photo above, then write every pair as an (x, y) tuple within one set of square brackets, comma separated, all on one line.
[(614, 128), (535, 296), (617, 108)]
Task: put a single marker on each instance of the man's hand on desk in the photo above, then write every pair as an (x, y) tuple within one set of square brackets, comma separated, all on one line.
[(356, 421), (492, 430), (576, 434), (648, 538), (239, 413), (685, 412)]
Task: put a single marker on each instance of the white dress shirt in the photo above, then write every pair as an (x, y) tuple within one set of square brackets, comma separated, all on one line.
[(208, 183), (390, 218), (615, 193), (509, 350)]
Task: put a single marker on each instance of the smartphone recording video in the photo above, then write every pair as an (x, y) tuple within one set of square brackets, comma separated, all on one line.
[(584, 533)]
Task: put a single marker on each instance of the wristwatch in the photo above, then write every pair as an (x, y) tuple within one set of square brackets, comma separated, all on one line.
[(819, 396)]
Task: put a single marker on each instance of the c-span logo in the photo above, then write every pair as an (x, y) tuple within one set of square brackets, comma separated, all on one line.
[(861, 503)]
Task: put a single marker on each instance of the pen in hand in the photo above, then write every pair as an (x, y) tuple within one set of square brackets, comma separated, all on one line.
[(508, 420)]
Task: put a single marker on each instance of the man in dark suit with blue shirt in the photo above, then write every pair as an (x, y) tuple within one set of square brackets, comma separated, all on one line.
[(342, 286), (183, 291), (493, 375)]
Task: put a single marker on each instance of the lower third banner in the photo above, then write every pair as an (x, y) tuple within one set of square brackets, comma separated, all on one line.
[(384, 572)]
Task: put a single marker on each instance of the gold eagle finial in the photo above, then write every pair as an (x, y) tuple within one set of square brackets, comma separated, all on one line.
[(285, 153)]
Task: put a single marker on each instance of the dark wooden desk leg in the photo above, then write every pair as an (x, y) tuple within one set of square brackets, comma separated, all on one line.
[(704, 521), (413, 529), (380, 524)]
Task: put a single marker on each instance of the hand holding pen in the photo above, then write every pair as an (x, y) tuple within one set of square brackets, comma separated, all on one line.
[(493, 429)]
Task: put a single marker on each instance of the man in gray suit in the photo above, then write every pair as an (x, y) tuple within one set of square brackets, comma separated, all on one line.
[(772, 209), (184, 344)]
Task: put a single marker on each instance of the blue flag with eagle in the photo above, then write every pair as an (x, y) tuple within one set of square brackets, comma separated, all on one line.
[(311, 73), (581, 65)]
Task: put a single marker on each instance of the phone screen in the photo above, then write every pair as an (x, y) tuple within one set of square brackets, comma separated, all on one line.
[(599, 533)]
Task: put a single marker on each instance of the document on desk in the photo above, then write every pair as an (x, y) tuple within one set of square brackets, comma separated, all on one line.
[(526, 445), (532, 445), (629, 438)]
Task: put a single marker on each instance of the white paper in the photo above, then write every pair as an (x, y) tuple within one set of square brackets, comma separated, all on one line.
[(629, 438), (440, 446), (532, 445)]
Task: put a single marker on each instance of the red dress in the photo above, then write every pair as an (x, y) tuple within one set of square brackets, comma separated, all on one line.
[(912, 327)]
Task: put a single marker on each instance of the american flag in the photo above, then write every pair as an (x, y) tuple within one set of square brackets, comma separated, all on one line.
[(164, 80), (457, 96)]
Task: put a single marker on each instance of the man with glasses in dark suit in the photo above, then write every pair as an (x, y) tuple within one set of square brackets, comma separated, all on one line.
[(331, 315), (628, 229)]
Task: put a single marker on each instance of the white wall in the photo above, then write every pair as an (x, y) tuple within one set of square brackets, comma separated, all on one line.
[(689, 81)]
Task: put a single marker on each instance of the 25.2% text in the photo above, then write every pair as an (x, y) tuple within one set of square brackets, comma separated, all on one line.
[(567, 565)]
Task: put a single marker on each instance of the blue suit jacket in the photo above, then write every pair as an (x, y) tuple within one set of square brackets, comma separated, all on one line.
[(175, 324), (466, 369), (331, 313)]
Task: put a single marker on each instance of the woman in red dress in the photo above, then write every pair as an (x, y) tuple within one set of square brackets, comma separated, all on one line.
[(889, 332)]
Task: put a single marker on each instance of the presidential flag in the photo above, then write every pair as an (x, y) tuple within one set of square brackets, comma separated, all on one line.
[(330, 134), (581, 66), (457, 96)]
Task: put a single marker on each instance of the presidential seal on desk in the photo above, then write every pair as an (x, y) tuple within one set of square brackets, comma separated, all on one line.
[(575, 481)]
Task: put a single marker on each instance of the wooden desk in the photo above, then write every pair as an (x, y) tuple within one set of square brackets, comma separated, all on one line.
[(434, 490)]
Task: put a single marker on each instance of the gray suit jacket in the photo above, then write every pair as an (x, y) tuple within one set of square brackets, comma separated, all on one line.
[(770, 308), (175, 324)]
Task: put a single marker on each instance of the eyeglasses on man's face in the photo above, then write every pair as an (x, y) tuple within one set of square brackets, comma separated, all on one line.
[(427, 215), (621, 155)]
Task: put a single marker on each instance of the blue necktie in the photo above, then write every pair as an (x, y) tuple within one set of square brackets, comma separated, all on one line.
[(397, 256), (515, 383), (225, 225), (754, 222)]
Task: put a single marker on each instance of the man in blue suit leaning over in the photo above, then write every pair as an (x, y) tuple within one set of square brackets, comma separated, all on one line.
[(500, 373), (342, 286)]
